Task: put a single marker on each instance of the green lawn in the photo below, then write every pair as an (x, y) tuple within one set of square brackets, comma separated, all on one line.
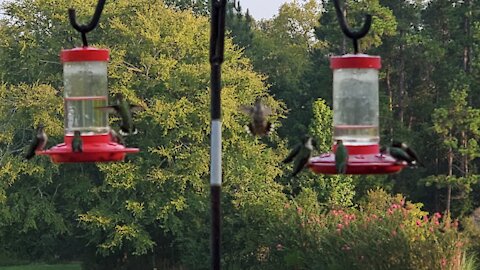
[(43, 267)]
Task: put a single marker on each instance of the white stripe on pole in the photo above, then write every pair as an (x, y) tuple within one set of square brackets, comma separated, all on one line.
[(216, 154)]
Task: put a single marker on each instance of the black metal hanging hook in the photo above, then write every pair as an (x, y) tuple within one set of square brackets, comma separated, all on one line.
[(355, 35), (84, 29)]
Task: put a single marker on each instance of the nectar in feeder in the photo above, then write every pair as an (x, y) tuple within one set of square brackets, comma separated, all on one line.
[(85, 84), (85, 89), (355, 118), (355, 100)]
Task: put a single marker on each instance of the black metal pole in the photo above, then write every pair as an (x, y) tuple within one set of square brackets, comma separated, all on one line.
[(217, 41)]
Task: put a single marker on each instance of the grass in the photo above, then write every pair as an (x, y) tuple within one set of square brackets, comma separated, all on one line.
[(43, 267)]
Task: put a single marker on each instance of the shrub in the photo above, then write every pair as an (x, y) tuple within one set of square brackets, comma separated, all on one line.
[(384, 232)]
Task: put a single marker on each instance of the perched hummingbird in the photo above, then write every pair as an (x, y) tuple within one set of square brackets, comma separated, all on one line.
[(38, 142), (115, 137), (398, 153), (77, 143), (341, 157), (409, 151), (259, 113), (124, 110), (301, 154)]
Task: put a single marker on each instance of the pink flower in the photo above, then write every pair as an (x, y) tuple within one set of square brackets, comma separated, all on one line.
[(438, 215), (374, 216), (299, 210), (389, 212), (419, 223), (339, 226), (394, 233), (443, 262), (425, 218)]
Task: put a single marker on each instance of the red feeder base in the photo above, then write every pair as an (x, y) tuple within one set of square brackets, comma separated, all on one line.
[(96, 148), (361, 160)]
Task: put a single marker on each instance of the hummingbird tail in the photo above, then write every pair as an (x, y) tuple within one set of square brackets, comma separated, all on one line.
[(29, 156), (249, 129), (270, 128), (126, 132)]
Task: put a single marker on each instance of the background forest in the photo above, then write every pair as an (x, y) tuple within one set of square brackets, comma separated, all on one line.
[(153, 209)]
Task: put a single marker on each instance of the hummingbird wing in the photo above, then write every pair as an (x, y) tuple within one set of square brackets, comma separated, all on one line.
[(248, 110), (135, 108), (292, 154), (267, 111), (299, 164), (400, 155), (109, 109), (314, 144), (31, 149), (414, 156)]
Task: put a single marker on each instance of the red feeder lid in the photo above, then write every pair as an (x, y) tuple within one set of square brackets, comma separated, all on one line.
[(96, 148), (84, 54), (355, 61), (361, 160)]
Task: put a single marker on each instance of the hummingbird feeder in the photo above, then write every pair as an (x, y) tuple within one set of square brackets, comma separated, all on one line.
[(85, 89), (355, 111)]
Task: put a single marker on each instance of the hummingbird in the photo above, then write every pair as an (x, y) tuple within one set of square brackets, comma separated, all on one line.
[(259, 126), (301, 154), (39, 141), (77, 143), (124, 110), (341, 157), (413, 155), (398, 153), (115, 137)]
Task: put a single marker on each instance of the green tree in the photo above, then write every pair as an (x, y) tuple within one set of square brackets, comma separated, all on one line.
[(458, 126)]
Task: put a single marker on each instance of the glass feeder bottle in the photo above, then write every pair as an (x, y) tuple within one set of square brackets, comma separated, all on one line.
[(85, 89), (355, 99)]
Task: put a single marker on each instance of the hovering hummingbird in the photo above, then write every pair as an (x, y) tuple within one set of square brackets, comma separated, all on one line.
[(259, 113), (115, 137), (77, 143), (38, 142), (301, 154), (413, 155), (124, 110), (398, 153), (341, 157)]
